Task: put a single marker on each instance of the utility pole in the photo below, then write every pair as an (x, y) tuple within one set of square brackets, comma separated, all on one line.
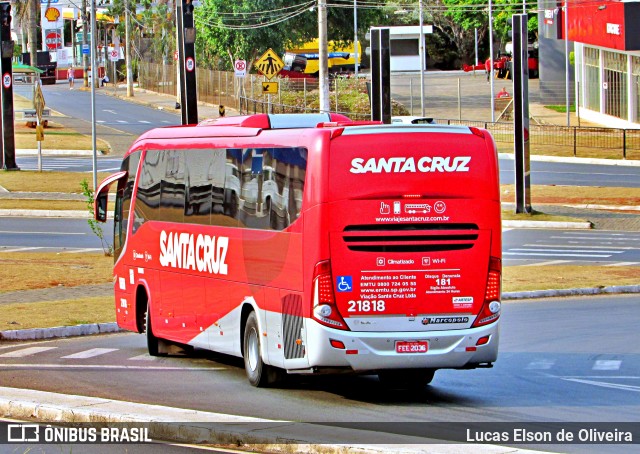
[(355, 38), (323, 56), (127, 51), (422, 59)]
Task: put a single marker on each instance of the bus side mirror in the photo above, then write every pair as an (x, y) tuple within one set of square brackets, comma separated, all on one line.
[(102, 194), (100, 206)]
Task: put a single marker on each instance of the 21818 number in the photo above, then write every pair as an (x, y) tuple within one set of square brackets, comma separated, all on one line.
[(366, 306)]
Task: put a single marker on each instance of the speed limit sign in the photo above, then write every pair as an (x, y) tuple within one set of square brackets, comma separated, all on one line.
[(190, 64), (240, 67)]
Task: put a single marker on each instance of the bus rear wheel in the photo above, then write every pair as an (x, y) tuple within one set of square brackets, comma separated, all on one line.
[(155, 345), (259, 374), (413, 379)]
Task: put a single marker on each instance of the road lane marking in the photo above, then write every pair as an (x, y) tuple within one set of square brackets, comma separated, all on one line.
[(560, 250), (604, 384), (589, 238), (25, 352), (542, 364), (626, 248), (623, 264), (108, 366), (549, 262), (556, 255), (607, 364), (90, 353)]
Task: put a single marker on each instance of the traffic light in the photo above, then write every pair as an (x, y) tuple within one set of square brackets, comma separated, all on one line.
[(5, 21)]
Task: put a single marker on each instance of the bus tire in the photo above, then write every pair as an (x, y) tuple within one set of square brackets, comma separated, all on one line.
[(413, 379), (155, 345), (259, 374)]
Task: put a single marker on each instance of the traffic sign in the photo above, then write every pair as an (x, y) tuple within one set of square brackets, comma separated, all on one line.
[(85, 49), (270, 88), (175, 55), (6, 80), (190, 64), (269, 64), (53, 40), (114, 55), (240, 67), (38, 101)]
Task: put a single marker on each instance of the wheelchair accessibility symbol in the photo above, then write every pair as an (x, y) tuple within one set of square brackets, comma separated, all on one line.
[(344, 283)]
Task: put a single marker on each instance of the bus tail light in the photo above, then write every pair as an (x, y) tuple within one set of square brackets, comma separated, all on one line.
[(325, 310), (491, 306)]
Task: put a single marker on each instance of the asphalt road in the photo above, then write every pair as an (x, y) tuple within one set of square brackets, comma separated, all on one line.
[(520, 246), (561, 360), (110, 111), (50, 234)]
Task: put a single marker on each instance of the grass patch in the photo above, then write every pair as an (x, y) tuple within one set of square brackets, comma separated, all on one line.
[(37, 270), (31, 204), (56, 137), (34, 181), (524, 278), (49, 314), (562, 108)]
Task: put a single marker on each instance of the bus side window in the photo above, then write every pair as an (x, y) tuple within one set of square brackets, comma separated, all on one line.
[(197, 208)]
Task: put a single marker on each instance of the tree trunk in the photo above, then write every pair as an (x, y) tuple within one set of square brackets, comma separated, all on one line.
[(32, 30)]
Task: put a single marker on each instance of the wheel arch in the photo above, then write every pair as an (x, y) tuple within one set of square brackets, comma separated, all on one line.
[(247, 308), (143, 299)]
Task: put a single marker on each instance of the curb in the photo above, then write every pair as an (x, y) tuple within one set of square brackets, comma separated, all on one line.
[(45, 213), (572, 160), (59, 331), (199, 427), (34, 152), (546, 225), (571, 292)]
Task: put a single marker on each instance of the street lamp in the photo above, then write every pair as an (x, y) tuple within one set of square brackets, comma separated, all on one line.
[(93, 94)]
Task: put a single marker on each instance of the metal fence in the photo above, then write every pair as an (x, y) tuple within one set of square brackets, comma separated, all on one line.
[(445, 102)]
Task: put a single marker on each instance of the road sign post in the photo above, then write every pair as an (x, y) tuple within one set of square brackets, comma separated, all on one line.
[(8, 152), (38, 104), (187, 63)]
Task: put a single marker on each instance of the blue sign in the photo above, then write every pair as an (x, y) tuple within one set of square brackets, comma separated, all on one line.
[(85, 49), (344, 283)]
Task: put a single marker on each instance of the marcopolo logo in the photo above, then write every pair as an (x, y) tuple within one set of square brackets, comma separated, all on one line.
[(409, 165), (190, 252)]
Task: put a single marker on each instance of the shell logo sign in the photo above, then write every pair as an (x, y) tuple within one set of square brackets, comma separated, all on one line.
[(52, 14)]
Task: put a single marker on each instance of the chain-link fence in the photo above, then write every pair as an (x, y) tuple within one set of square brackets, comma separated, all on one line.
[(464, 98)]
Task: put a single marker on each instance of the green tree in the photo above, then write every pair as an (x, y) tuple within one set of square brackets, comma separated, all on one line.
[(228, 30)]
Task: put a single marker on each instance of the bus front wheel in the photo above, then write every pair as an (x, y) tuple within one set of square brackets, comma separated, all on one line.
[(413, 379), (258, 373)]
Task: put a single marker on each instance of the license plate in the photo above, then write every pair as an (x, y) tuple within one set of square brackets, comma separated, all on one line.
[(412, 346)]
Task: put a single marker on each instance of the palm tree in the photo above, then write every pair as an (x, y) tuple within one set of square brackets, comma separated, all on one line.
[(26, 11)]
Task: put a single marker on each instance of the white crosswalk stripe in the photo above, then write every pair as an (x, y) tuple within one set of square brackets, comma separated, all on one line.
[(607, 364), (26, 352), (144, 357), (90, 353)]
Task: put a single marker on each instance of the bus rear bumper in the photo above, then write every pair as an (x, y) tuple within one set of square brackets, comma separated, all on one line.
[(377, 350)]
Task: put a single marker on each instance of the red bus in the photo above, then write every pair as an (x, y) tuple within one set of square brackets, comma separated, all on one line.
[(311, 244)]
